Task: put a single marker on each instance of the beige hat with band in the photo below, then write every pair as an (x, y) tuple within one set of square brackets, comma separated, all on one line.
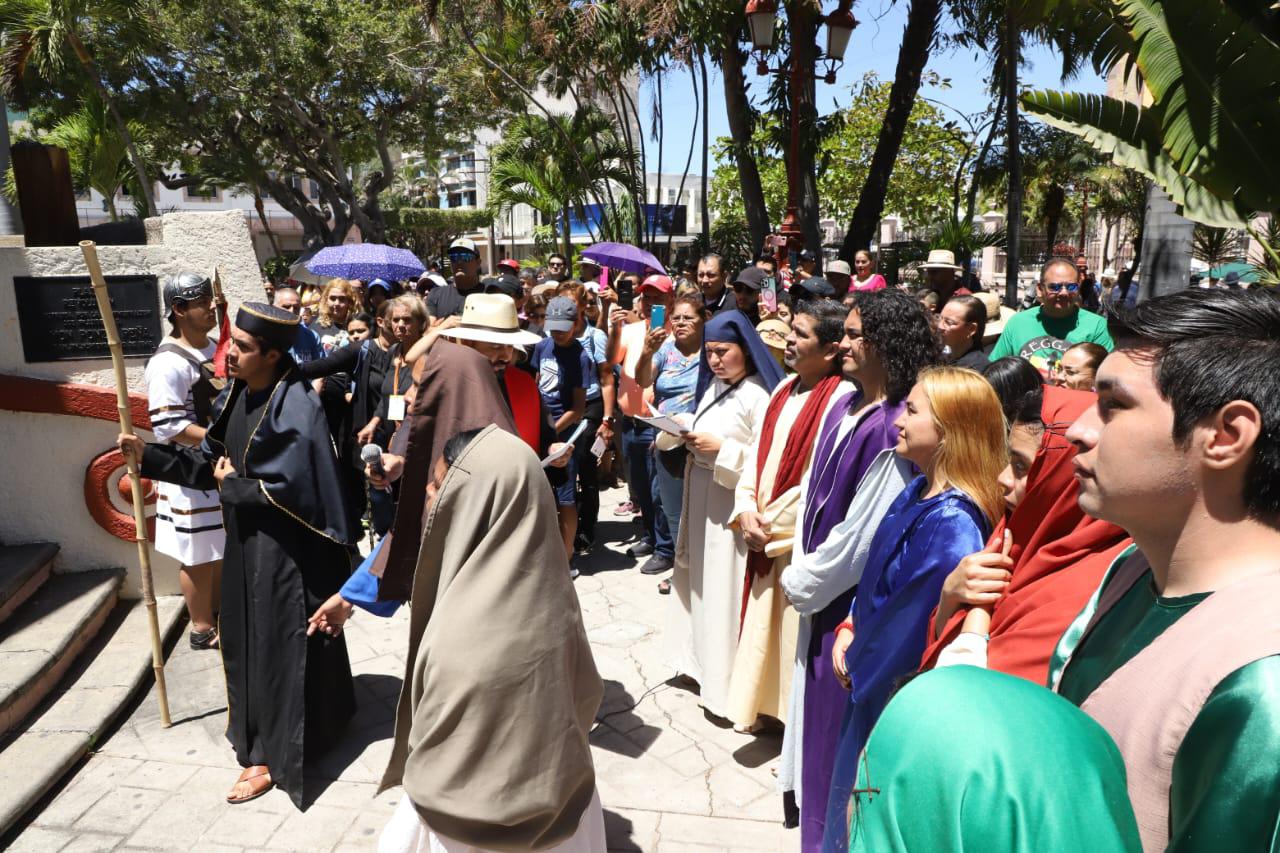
[(491, 318)]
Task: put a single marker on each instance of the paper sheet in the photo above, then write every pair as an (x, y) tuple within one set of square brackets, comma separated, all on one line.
[(568, 445)]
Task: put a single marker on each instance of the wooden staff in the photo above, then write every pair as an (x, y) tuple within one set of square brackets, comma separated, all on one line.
[(135, 480)]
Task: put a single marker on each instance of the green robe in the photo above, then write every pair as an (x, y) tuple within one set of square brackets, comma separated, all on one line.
[(1225, 793), (967, 759)]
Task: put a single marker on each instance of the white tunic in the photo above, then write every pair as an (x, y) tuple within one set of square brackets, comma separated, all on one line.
[(701, 634), (188, 521)]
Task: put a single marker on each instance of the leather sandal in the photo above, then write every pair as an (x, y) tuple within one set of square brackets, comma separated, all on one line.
[(258, 778)]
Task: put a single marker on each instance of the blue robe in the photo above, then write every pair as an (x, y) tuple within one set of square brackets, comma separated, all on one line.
[(916, 546)]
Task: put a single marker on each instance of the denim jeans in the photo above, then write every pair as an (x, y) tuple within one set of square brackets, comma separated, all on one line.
[(671, 495), (637, 443)]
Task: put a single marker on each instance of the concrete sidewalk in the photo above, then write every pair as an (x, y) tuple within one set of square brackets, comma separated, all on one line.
[(670, 778)]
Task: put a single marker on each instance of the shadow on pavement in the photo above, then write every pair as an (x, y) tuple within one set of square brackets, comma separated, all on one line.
[(617, 709), (617, 832), (374, 721)]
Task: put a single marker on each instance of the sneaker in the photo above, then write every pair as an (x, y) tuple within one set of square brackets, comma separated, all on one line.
[(573, 573), (643, 548), (656, 565), (626, 508)]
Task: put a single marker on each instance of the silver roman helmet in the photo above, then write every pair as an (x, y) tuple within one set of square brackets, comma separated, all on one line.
[(185, 287)]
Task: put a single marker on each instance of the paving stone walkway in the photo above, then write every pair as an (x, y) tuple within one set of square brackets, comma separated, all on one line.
[(670, 778)]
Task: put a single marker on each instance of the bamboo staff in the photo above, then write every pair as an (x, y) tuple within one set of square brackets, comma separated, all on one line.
[(135, 480)]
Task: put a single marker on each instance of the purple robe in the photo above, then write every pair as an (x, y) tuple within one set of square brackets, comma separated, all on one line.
[(839, 464)]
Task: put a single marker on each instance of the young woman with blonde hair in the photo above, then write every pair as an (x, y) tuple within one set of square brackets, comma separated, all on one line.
[(953, 431)]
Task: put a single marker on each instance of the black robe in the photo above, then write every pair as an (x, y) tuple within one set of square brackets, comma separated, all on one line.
[(287, 551)]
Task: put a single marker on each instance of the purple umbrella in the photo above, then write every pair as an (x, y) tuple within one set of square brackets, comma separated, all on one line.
[(366, 261), (623, 256)]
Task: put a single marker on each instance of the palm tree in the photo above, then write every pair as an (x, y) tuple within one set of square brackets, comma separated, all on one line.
[(534, 165), (37, 35), (1209, 117), (99, 159)]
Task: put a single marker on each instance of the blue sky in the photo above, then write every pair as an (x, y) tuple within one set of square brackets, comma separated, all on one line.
[(874, 47)]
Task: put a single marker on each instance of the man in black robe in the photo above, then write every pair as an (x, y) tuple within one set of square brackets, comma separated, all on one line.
[(289, 541)]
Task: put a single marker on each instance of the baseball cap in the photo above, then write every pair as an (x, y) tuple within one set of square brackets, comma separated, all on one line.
[(812, 288), (507, 285), (660, 283), (808, 255), (752, 276), (562, 314), (377, 282), (511, 264), (839, 268), (463, 244)]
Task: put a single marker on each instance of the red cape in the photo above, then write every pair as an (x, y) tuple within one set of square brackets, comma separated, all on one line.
[(1060, 555)]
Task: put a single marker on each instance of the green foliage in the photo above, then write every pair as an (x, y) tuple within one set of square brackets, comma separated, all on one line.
[(98, 155), (560, 164), (920, 189), (277, 268), (1207, 134), (1216, 246), (428, 231)]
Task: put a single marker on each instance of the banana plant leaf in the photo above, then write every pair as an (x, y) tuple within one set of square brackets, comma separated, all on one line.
[(1212, 109)]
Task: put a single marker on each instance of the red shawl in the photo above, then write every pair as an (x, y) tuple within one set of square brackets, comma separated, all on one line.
[(795, 455), (1059, 553)]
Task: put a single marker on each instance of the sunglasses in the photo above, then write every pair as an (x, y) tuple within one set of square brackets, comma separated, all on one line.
[(462, 256), (1059, 286), (555, 264)]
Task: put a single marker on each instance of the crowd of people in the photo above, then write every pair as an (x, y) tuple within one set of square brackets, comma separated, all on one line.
[(1002, 577)]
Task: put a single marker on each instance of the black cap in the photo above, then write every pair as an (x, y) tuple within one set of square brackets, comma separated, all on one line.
[(507, 285), (814, 287), (276, 326), (808, 255), (753, 277)]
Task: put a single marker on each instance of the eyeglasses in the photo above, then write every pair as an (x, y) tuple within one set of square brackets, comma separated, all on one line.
[(555, 264), (462, 256), (1059, 286)]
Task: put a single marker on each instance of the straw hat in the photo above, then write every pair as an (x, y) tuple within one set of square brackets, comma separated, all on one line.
[(491, 318), (997, 315), (941, 259), (774, 333)]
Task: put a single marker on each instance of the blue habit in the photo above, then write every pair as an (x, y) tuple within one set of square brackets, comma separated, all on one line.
[(916, 546)]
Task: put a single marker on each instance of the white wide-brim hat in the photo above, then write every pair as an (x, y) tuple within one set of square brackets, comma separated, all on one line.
[(491, 318), (941, 259)]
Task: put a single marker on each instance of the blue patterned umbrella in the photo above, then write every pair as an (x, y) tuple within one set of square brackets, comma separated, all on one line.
[(366, 261)]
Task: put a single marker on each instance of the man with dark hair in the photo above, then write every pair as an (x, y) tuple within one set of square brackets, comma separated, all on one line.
[(1178, 654), (288, 549), (1042, 334), (765, 509), (716, 296), (557, 267), (885, 340), (768, 263)]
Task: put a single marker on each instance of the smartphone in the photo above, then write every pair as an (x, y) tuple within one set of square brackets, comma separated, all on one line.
[(626, 296), (658, 317), (769, 300)]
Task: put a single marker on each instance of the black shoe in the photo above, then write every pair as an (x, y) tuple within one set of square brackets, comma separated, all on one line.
[(581, 545), (656, 565), (643, 548)]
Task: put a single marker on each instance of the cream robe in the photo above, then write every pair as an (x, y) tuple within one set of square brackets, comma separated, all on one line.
[(701, 634), (761, 681)]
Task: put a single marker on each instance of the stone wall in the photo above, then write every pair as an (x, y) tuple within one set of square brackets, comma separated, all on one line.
[(43, 467)]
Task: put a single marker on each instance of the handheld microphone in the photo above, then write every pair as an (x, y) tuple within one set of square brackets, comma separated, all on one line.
[(371, 455)]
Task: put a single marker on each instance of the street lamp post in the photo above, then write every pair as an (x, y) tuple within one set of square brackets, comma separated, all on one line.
[(762, 17)]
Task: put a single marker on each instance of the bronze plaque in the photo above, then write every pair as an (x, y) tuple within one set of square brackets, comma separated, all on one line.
[(59, 319)]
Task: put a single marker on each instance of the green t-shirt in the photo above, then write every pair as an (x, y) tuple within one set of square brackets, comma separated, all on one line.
[(1042, 340), (1225, 791)]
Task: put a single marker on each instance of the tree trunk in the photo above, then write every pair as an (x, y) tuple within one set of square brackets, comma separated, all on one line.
[(971, 200), (565, 248), (266, 225), (1013, 158), (705, 210), (917, 42), (10, 216), (804, 32), (741, 127), (91, 70)]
